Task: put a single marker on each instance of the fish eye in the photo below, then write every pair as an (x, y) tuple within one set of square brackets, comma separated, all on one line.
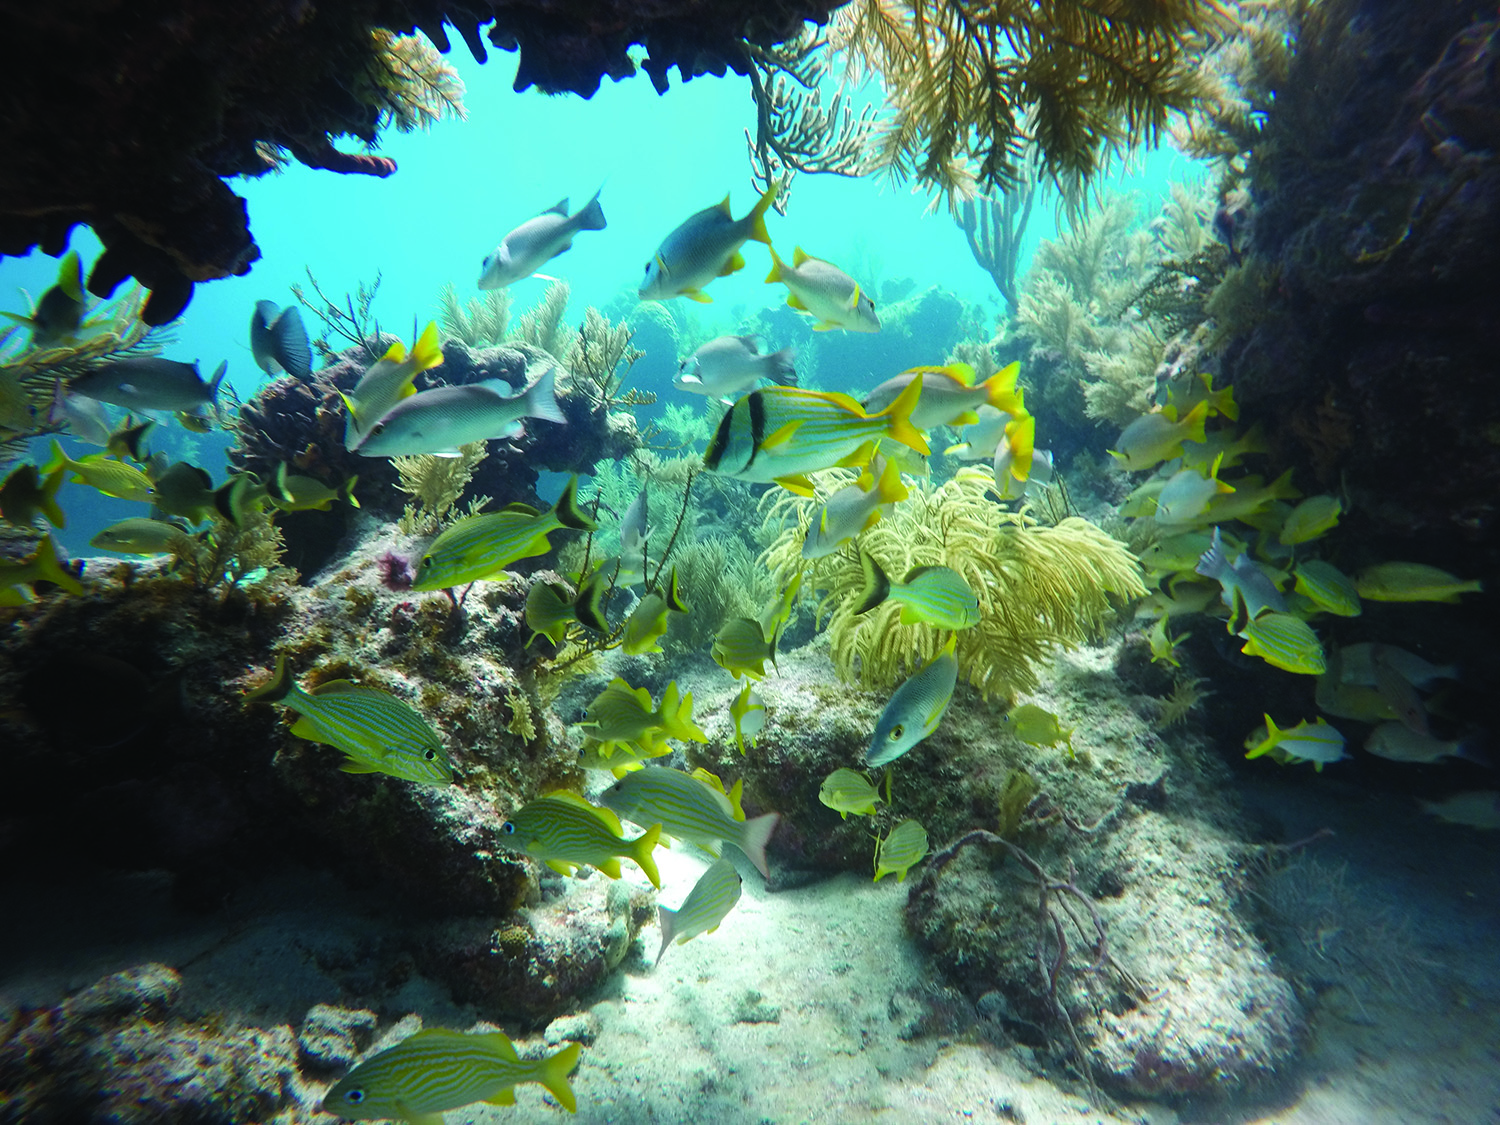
[(430, 755), (508, 828), (426, 560), (896, 732), (354, 1097), (378, 428)]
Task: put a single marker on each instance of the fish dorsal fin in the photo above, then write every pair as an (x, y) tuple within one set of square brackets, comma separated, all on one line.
[(354, 765), (558, 208), (799, 256), (498, 1041), (796, 302), (736, 792), (723, 207), (506, 1096), (520, 509), (334, 687)]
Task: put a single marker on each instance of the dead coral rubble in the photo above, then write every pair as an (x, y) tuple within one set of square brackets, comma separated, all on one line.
[(128, 117)]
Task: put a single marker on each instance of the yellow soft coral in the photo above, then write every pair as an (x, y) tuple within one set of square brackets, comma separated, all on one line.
[(1040, 588)]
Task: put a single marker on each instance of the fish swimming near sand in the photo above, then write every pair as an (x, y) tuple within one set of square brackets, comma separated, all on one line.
[(707, 905), (566, 832), (537, 241), (689, 809), (433, 1071), (278, 340), (848, 791)]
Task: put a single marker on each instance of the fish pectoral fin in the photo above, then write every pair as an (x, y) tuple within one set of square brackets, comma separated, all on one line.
[(798, 484), (506, 1096), (826, 326), (697, 295), (736, 262), (779, 437), (305, 728), (860, 457), (562, 867), (797, 303), (354, 765)]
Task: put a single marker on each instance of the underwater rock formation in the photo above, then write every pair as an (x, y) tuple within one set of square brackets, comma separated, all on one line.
[(168, 100), (114, 1052), (1369, 319)]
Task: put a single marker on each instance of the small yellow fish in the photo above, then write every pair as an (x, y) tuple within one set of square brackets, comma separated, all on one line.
[(846, 791), (436, 1070), (292, 492), (1225, 444), (1315, 516), (1175, 554), (1412, 582), (742, 649), (619, 758), (105, 474), (1036, 726), (42, 566), (621, 713), (550, 606), (26, 495), (647, 625), (900, 851), (749, 713), (1199, 390), (1163, 647), (387, 381), (1315, 742), (186, 490), (1154, 438), (934, 595), (692, 808), (1284, 642), (1328, 588), (707, 905), (1250, 495), (566, 832)]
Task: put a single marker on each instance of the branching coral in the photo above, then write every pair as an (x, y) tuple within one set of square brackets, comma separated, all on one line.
[(228, 553), (969, 84), (1040, 589), (352, 322), (994, 227), (601, 357), (542, 324), (435, 484), (483, 321)]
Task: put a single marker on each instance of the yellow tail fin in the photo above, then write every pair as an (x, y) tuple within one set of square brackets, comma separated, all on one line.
[(1001, 389), (428, 350), (640, 851), (758, 216), (899, 424), (777, 265), (554, 1076)]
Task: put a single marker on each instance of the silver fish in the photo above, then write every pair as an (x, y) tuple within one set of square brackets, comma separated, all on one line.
[(729, 366), (442, 419), (149, 383), (537, 241)]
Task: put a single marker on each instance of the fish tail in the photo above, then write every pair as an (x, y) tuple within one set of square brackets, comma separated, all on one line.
[(49, 567), (890, 489), (1193, 423), (674, 596), (877, 587), (898, 418), (347, 491), (588, 607), (781, 367), (48, 503), (677, 715), (428, 350), (777, 267), (667, 920), (58, 460), (1021, 433), (758, 215), (592, 216), (213, 384), (278, 688), (753, 840), (1212, 563), (540, 399), (292, 349), (554, 1075), (1000, 388), (567, 511), (641, 849)]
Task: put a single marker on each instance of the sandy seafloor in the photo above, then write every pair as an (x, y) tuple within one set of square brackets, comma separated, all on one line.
[(801, 1007)]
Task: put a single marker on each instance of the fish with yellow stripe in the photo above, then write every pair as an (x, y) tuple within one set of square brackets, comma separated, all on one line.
[(623, 714), (704, 246), (933, 595), (378, 732), (692, 810), (827, 293), (783, 433), (854, 508), (433, 1071), (901, 850), (483, 545), (950, 394), (648, 623), (707, 905), (566, 832)]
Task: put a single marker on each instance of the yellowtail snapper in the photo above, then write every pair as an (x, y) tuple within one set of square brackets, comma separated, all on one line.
[(709, 902), (378, 732), (433, 1071)]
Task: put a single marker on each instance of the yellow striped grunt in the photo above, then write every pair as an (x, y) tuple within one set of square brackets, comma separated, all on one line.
[(709, 902), (103, 474), (1315, 516), (566, 832), (439, 1069), (749, 713), (378, 732), (1037, 726), (900, 851), (934, 595), (623, 714), (482, 546), (848, 791), (741, 648), (1285, 642), (915, 709), (1408, 582), (691, 810), (783, 433), (1328, 588), (617, 757)]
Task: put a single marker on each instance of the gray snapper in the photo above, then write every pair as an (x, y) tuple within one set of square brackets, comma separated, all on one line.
[(536, 242)]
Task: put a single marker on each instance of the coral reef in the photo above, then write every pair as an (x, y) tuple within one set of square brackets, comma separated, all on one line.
[(169, 103)]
